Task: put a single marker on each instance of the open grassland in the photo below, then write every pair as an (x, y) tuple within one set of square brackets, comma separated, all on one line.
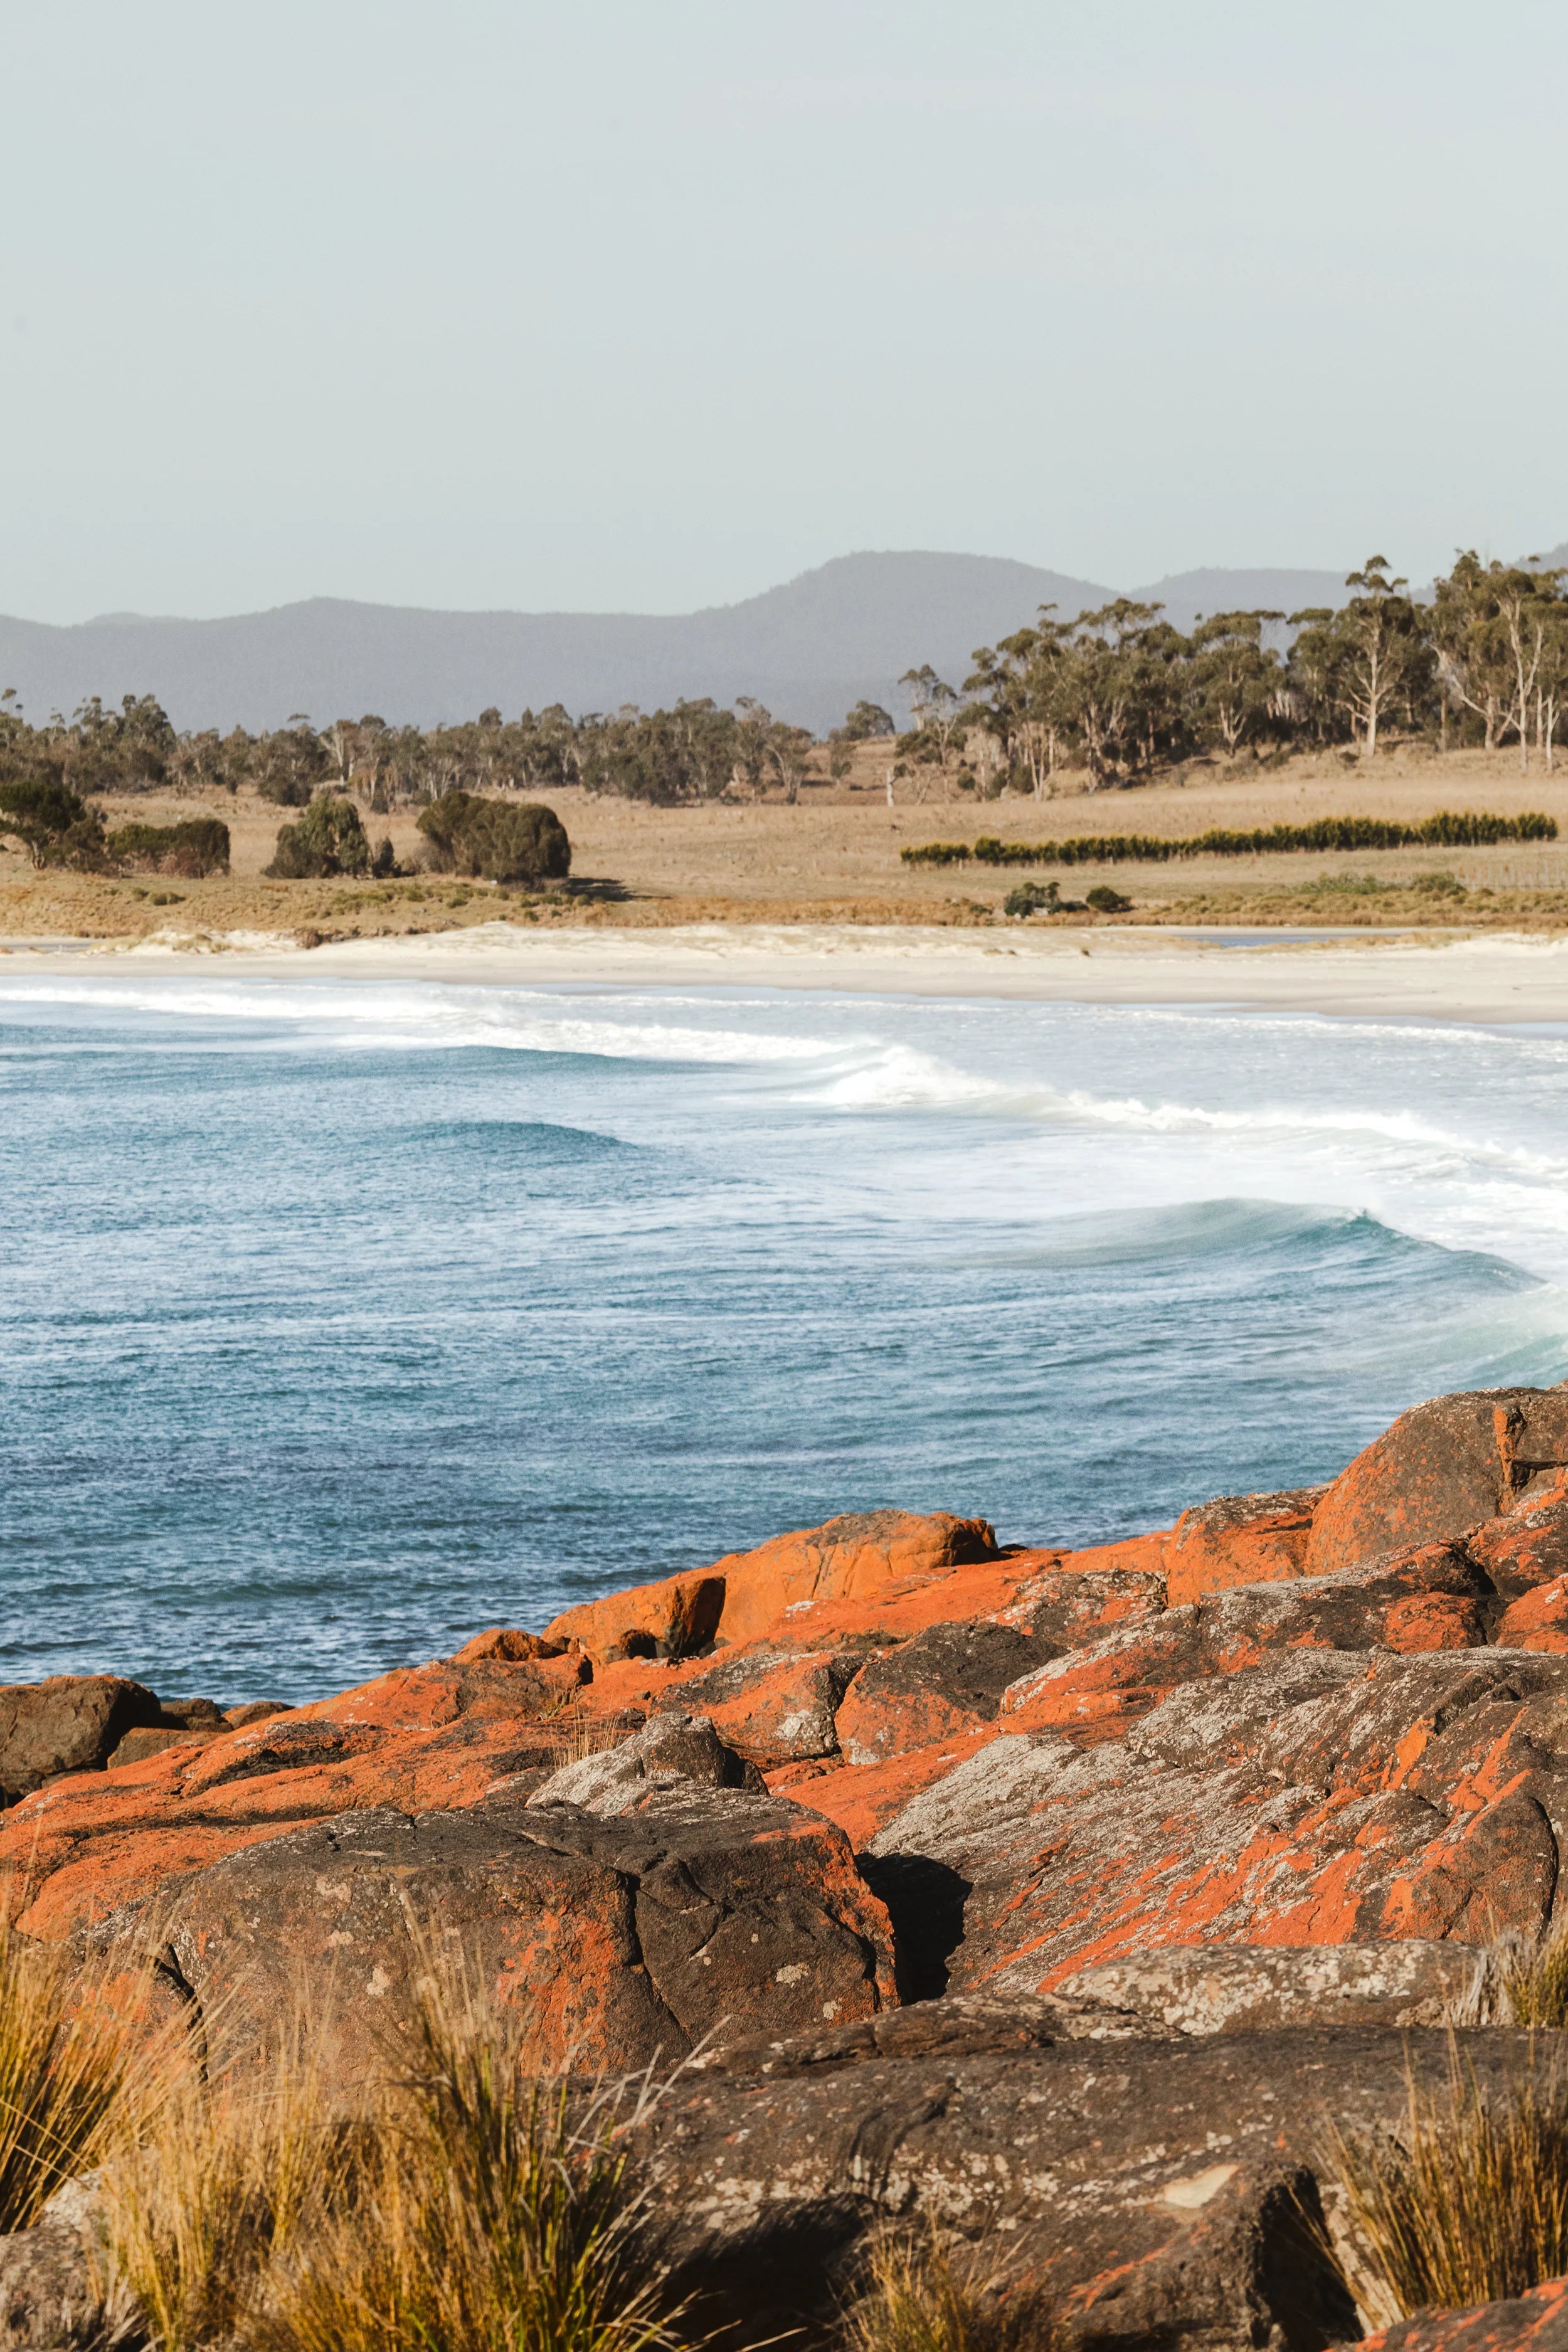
[(833, 856)]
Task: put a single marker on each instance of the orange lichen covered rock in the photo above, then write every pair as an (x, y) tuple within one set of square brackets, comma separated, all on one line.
[(985, 1588), (1322, 1797), (422, 1736), (510, 1643), (1141, 1555), (1443, 1467), (858, 1557), (946, 1682), (627, 1937), (864, 1798), (1429, 1598), (1536, 2321), (1538, 1620), (772, 1708), (1526, 1547), (668, 1620), (1240, 1539)]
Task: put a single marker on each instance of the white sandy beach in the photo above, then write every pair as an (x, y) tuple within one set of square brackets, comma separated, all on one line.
[(1485, 977)]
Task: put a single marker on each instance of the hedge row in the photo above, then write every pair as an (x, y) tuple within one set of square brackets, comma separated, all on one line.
[(1449, 829)]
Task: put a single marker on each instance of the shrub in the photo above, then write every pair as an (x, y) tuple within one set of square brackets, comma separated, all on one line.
[(197, 847), (940, 853), (54, 824), (328, 839), (498, 841), (1468, 2204), (1107, 901), (1032, 898)]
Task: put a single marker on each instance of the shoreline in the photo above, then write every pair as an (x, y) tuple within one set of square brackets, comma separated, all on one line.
[(1484, 978)]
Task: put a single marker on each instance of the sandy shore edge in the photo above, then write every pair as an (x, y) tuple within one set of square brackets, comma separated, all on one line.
[(1486, 977)]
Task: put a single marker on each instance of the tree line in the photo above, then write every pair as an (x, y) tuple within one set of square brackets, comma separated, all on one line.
[(1116, 694), (1119, 692), (696, 752)]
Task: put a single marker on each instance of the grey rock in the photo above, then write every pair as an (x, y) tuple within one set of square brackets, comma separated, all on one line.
[(671, 1751), (1229, 1989)]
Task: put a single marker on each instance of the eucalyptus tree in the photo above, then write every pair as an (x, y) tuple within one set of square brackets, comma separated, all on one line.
[(1235, 679), (1384, 650), (1017, 687)]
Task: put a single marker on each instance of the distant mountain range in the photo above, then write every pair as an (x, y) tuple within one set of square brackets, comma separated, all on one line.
[(808, 649)]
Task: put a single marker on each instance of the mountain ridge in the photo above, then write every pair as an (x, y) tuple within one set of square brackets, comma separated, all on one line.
[(809, 648)]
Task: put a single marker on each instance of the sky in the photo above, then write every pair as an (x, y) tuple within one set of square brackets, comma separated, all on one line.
[(624, 307)]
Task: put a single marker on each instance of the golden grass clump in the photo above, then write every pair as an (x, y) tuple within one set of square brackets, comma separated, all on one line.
[(1533, 1980), (462, 2208), (211, 2183), (1466, 2204), (64, 2057), (917, 2295)]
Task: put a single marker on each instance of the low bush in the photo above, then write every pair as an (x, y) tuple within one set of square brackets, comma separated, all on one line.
[(329, 839), (55, 826), (938, 853), (1468, 2204), (494, 840), (1107, 901), (1033, 898), (193, 849)]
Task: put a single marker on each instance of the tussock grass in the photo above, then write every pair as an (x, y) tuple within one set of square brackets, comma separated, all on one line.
[(213, 2180), (918, 2295), (1466, 2204), (463, 2208), (1533, 1979), (64, 2061)]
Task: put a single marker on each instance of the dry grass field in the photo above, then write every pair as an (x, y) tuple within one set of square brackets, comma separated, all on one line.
[(833, 858)]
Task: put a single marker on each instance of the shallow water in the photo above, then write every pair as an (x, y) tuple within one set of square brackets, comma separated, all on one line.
[(342, 1318)]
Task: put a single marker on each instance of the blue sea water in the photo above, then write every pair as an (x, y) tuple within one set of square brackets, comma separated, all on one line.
[(341, 1319)]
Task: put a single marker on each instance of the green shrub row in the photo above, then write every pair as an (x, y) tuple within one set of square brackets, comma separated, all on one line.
[(1449, 829)]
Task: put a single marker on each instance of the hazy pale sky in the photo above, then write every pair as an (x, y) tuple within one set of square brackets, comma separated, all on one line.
[(486, 302)]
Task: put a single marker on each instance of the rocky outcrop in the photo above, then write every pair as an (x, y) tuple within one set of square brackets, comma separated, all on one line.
[(744, 1595), (422, 1739), (1051, 1763), (1443, 1467), (630, 1935), (71, 1723), (1240, 1539), (1168, 2188), (1325, 1797)]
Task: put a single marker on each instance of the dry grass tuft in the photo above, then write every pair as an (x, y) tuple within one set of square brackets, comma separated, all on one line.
[(918, 2295), (1468, 2204), (1533, 1979), (64, 2060), (214, 2182), (464, 2207)]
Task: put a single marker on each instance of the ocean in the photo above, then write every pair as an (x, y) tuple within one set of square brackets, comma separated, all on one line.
[(341, 1319)]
